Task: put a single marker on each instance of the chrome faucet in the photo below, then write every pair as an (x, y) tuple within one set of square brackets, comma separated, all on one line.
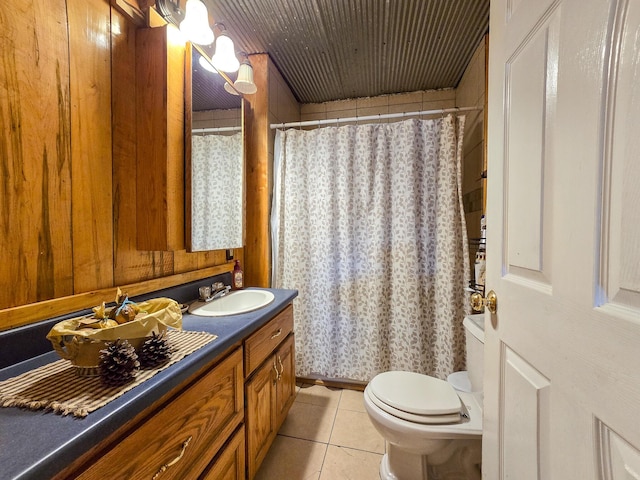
[(219, 289)]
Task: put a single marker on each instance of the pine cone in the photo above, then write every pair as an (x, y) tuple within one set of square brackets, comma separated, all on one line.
[(118, 363), (155, 350)]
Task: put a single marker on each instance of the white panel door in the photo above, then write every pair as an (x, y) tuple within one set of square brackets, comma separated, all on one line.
[(562, 353)]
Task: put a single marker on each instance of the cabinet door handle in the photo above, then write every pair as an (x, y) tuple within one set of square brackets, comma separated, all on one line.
[(277, 374), (277, 334), (164, 467), (281, 368)]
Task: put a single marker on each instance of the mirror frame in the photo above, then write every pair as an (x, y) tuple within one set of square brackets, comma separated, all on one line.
[(188, 146)]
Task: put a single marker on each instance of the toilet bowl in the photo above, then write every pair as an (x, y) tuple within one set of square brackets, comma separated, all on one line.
[(425, 421)]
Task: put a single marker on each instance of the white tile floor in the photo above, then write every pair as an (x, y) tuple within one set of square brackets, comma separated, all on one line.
[(326, 436)]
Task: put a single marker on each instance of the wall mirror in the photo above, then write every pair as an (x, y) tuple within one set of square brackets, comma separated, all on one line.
[(214, 158)]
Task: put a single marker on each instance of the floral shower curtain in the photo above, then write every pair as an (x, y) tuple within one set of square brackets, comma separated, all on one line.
[(368, 225), (216, 199)]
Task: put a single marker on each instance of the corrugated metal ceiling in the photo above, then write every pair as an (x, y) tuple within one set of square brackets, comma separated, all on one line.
[(336, 49)]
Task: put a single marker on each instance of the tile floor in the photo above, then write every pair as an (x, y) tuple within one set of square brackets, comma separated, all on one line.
[(326, 436)]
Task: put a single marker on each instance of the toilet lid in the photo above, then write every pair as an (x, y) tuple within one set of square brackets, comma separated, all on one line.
[(411, 417), (415, 393)]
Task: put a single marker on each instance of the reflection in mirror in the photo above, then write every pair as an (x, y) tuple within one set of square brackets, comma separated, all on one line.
[(217, 163)]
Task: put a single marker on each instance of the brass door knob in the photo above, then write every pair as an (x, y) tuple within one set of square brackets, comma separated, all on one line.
[(491, 302), (477, 302)]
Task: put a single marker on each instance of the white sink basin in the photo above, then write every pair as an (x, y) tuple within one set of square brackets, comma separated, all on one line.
[(241, 301)]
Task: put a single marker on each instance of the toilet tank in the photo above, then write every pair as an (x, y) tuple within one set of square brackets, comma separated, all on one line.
[(474, 339)]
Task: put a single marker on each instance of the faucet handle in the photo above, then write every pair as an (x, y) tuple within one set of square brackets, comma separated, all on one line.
[(218, 286), (205, 293)]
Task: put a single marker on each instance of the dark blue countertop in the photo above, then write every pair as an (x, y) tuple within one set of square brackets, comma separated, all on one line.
[(37, 444)]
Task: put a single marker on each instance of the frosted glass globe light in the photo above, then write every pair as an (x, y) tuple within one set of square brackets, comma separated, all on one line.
[(244, 82), (230, 89), (195, 26), (225, 57)]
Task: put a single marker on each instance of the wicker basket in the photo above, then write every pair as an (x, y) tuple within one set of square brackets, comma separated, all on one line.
[(82, 346)]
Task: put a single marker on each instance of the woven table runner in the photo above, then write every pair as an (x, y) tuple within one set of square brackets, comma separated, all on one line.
[(57, 388)]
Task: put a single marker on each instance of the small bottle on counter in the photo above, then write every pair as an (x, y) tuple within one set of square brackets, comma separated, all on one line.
[(237, 277)]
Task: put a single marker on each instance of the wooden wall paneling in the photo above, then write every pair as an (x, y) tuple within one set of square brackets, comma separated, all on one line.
[(151, 152), (160, 125), (190, 261), (133, 9), (130, 264), (184, 261), (35, 169), (257, 253), (91, 154), (175, 132), (91, 63), (218, 257), (25, 314)]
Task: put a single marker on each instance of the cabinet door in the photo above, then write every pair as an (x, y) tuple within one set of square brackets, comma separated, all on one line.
[(229, 465), (261, 415), (286, 383)]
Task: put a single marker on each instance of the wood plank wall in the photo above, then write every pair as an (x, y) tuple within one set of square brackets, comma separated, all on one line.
[(90, 93), (35, 153), (256, 143), (160, 103), (67, 164)]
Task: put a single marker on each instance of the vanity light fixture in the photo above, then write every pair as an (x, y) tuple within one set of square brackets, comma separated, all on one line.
[(244, 82), (229, 89), (224, 58), (193, 21), (195, 26)]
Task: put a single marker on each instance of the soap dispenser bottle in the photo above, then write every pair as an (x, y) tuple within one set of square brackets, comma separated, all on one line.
[(237, 276)]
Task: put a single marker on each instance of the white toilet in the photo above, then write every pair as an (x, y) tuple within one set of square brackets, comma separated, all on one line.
[(426, 421)]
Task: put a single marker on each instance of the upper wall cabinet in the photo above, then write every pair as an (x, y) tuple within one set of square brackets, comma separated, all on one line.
[(160, 107)]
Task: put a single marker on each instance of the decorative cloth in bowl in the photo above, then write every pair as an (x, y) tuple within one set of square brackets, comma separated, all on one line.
[(73, 341)]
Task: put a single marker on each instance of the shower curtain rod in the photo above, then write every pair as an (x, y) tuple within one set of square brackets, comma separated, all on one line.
[(216, 129), (310, 123)]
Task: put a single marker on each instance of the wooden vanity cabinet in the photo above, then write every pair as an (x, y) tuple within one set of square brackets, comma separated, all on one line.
[(181, 438), (197, 432), (270, 385)]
